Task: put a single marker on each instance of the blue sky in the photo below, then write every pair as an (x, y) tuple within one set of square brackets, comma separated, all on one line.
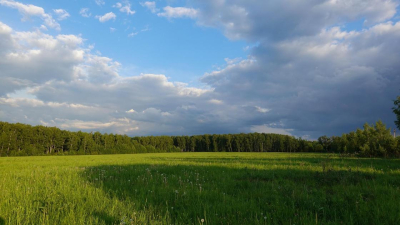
[(304, 68)]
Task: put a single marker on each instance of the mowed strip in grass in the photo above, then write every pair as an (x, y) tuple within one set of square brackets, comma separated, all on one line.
[(199, 188)]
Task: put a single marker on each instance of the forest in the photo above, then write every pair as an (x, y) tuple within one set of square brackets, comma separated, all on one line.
[(26, 140)]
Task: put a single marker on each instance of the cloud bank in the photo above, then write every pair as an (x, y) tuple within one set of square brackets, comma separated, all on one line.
[(308, 73)]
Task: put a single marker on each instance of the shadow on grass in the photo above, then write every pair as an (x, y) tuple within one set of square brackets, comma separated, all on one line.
[(185, 194), (313, 160), (2, 221), (106, 218)]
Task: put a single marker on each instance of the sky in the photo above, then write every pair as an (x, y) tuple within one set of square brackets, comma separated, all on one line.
[(184, 67)]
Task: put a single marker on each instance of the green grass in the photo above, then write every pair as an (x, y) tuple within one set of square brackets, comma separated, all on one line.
[(188, 188)]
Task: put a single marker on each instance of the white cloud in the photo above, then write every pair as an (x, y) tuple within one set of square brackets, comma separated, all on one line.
[(7, 42), (262, 110), (100, 2), (232, 61), (266, 129), (30, 58), (133, 34), (95, 125), (178, 12), (30, 10), (151, 6), (61, 13), (16, 102), (216, 101), (5, 29), (112, 29), (106, 17), (124, 8), (43, 27), (85, 12), (101, 69)]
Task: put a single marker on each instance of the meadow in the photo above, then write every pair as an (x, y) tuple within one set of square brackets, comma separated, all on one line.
[(199, 188)]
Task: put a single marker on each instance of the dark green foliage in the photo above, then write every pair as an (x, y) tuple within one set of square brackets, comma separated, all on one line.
[(372, 141), (21, 140), (24, 140), (254, 142), (396, 111)]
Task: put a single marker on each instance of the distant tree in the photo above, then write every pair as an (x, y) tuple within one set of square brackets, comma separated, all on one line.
[(325, 142), (396, 111)]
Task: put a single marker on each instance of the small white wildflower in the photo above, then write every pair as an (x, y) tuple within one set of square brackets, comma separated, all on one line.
[(265, 217), (202, 220)]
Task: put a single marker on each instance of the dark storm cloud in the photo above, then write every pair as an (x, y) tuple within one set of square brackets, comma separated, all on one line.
[(329, 83), (276, 20)]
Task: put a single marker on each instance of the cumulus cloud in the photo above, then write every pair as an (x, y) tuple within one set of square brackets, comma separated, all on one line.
[(328, 83), (7, 41), (15, 110), (106, 17), (30, 58), (266, 20), (178, 12), (61, 14), (80, 90), (29, 10), (307, 70), (307, 74), (101, 69)]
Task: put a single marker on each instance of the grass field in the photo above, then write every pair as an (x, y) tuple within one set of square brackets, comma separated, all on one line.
[(199, 188)]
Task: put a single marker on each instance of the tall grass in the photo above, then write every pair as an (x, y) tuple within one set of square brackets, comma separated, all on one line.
[(199, 188)]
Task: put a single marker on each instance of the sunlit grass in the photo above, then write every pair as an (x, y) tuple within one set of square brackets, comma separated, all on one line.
[(199, 188)]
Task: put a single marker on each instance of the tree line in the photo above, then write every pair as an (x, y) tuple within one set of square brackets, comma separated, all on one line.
[(371, 141), (252, 142), (25, 140)]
